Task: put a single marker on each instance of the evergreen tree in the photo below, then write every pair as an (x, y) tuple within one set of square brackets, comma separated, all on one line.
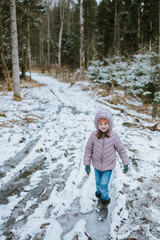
[(113, 25), (105, 24), (128, 12), (5, 39), (90, 29), (71, 39), (150, 22), (29, 13)]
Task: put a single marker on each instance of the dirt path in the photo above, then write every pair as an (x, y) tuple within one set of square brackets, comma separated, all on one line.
[(30, 183), (45, 180)]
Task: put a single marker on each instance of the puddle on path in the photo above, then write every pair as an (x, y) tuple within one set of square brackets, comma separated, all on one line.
[(96, 229)]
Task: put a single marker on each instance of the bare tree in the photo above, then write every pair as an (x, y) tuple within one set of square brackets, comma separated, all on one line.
[(150, 37), (159, 27), (68, 14), (61, 30), (82, 54), (48, 33), (29, 48), (116, 28), (2, 56), (139, 26), (15, 58), (115, 23), (41, 48)]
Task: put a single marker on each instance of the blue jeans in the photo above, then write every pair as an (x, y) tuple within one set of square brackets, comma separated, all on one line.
[(102, 181)]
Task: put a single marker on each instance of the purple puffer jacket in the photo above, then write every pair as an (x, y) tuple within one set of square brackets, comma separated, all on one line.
[(103, 151)]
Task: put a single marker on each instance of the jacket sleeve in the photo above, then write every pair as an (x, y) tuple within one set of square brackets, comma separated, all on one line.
[(121, 150), (88, 151)]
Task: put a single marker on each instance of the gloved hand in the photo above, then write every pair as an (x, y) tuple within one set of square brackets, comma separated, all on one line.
[(125, 170), (87, 169)]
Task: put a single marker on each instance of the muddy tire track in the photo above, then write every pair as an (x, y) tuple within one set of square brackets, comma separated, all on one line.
[(20, 186), (11, 163)]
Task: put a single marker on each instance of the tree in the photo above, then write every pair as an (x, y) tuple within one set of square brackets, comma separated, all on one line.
[(29, 25), (41, 49), (5, 73), (116, 28), (90, 30), (68, 39), (15, 58), (5, 48), (82, 53), (71, 38), (159, 28), (61, 30), (105, 25), (139, 24), (29, 47), (48, 34)]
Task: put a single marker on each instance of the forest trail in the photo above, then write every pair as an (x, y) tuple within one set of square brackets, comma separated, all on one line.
[(44, 186), (17, 182)]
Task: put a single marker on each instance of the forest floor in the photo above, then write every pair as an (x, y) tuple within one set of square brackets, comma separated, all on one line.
[(45, 193)]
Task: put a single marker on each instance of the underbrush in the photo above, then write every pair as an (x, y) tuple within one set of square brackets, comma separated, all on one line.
[(138, 77)]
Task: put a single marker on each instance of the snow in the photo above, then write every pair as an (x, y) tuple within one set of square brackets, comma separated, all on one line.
[(135, 75), (43, 183), (78, 231)]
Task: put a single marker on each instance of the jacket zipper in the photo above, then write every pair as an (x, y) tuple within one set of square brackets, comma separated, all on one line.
[(102, 153)]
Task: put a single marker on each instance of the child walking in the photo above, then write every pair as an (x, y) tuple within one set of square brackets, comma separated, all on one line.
[(101, 148)]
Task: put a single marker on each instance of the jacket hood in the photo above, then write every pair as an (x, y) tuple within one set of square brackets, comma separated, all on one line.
[(104, 114)]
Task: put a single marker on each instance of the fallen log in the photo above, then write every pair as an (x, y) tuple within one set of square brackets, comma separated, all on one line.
[(139, 125)]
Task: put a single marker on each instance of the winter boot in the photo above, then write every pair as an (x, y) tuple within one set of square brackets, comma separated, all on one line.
[(103, 209), (99, 201)]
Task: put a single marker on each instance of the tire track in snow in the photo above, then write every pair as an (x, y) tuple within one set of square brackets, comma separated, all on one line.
[(17, 187), (11, 163)]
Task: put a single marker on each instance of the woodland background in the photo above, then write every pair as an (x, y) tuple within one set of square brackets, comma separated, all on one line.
[(65, 35)]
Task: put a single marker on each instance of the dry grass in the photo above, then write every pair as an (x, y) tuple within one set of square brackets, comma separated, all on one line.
[(31, 114), (3, 114), (17, 98), (5, 125), (24, 83), (29, 118), (27, 83), (115, 98)]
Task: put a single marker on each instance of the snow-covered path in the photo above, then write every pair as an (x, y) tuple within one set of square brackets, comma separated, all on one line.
[(45, 193)]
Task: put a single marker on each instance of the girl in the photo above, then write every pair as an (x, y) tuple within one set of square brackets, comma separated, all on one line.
[(101, 148)]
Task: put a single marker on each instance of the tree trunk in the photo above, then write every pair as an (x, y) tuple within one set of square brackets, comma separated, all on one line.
[(159, 31), (68, 14), (41, 50), (118, 33), (15, 58), (29, 49), (48, 22), (94, 47), (4, 65), (61, 31), (139, 26), (82, 54), (115, 26), (150, 37)]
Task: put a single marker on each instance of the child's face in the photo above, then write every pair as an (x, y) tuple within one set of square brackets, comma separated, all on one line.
[(103, 126)]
